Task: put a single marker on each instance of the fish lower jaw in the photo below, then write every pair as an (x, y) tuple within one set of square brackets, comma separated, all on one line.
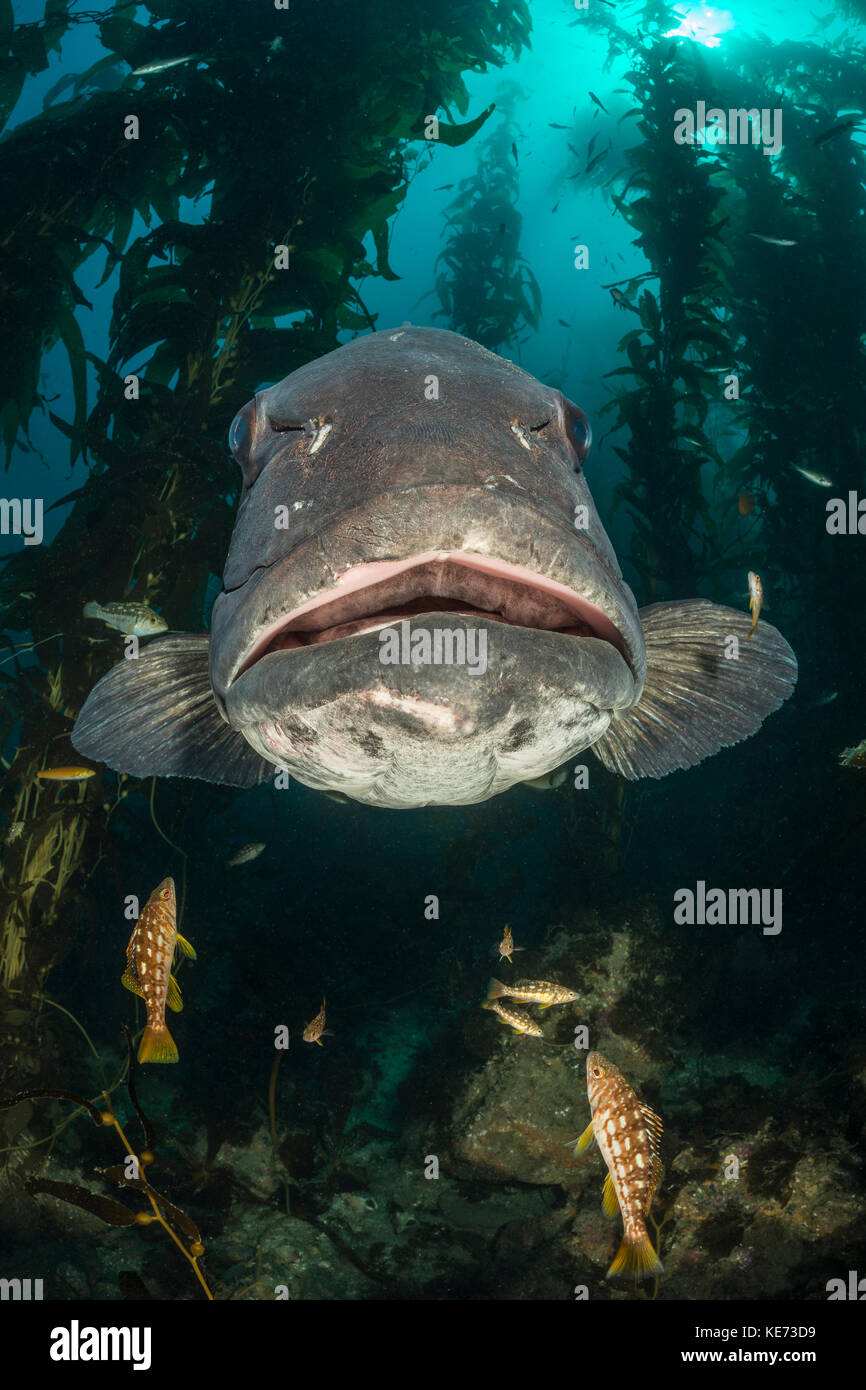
[(406, 748)]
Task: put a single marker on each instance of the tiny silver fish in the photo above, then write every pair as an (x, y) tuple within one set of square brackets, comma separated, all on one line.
[(773, 240), (813, 476), (136, 619), (162, 64), (15, 831), (826, 699), (245, 855), (548, 780)]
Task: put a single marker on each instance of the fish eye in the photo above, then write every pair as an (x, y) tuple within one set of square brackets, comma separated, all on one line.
[(242, 433), (580, 434), (239, 435)]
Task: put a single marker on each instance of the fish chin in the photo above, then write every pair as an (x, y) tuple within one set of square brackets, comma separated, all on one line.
[(342, 715)]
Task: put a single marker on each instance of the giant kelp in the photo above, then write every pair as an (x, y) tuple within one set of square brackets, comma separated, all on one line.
[(485, 285), (233, 213), (786, 320), (668, 198), (131, 1176)]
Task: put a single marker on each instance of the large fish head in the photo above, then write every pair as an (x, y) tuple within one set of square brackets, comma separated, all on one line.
[(408, 484)]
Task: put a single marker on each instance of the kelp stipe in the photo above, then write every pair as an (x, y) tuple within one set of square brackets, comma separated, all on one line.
[(129, 1175)]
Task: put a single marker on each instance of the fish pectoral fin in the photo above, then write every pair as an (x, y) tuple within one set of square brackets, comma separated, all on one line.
[(173, 999), (184, 947), (157, 716), (609, 1199), (585, 1139), (129, 982), (702, 691), (655, 1180)]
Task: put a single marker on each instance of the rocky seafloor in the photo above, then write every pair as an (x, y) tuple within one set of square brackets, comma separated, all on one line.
[(446, 1173)]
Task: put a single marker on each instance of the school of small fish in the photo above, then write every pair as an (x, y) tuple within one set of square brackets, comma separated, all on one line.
[(542, 992), (627, 1132)]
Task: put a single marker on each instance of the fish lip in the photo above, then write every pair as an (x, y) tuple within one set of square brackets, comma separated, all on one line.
[(360, 580), (516, 540)]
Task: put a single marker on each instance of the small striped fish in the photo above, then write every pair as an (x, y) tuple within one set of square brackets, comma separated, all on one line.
[(149, 958), (629, 1136), (515, 1018), (542, 992), (139, 619)]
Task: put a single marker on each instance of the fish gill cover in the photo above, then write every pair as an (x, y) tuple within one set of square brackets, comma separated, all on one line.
[(197, 202)]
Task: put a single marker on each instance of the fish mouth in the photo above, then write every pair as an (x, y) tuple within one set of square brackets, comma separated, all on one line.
[(370, 596)]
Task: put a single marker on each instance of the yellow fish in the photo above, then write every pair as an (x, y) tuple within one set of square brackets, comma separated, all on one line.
[(756, 600), (515, 1018), (542, 992), (66, 774), (629, 1136), (149, 958)]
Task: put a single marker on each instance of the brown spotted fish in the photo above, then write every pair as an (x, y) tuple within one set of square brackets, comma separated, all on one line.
[(149, 958), (629, 1136), (541, 992), (315, 1029), (515, 1018), (507, 946)]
